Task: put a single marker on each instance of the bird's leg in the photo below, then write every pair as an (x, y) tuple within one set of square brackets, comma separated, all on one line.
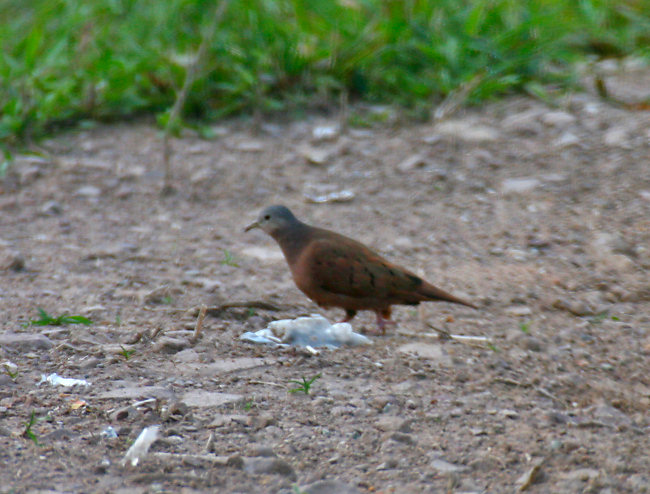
[(383, 320), (349, 315)]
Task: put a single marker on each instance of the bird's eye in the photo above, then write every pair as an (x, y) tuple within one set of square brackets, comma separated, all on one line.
[(267, 217)]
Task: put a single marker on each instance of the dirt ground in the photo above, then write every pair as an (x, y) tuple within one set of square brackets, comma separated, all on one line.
[(539, 215)]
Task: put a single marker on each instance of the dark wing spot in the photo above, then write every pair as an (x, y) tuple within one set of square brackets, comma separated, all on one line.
[(392, 273), (351, 277), (372, 278), (416, 281)]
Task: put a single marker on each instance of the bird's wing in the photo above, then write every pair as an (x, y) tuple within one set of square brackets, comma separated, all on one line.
[(343, 266)]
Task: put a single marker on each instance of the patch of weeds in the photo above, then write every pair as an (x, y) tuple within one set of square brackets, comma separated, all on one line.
[(126, 353), (118, 320), (229, 259), (525, 327), (46, 319), (248, 406), (296, 489), (616, 318), (167, 300), (250, 312), (28, 433), (304, 386), (493, 347)]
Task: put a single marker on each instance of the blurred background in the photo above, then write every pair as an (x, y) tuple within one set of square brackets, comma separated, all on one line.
[(64, 62)]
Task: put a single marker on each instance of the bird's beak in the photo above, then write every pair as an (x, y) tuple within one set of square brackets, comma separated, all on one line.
[(254, 224)]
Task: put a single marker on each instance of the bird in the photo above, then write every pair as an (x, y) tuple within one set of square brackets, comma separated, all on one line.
[(336, 271)]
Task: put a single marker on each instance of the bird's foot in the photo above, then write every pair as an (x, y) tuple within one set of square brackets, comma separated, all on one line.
[(383, 322)]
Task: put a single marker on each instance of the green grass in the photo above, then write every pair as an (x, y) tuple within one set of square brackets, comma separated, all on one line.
[(28, 433), (229, 259), (64, 62), (126, 353), (46, 319), (304, 386)]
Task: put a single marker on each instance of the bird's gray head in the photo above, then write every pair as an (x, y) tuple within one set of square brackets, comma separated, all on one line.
[(274, 220)]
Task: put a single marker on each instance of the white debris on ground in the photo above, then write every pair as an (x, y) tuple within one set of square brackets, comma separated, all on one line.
[(140, 447), (313, 331), (67, 382)]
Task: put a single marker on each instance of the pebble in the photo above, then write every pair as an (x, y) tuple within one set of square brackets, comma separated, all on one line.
[(583, 474), (446, 467), (12, 261), (576, 307), (616, 137), (427, 351), (25, 342), (269, 465), (327, 487), (200, 398), (389, 464), (567, 139), (412, 162), (315, 156), (325, 132), (519, 311), (519, 185), (400, 437), (166, 344), (557, 119), (51, 208), (88, 191), (467, 130)]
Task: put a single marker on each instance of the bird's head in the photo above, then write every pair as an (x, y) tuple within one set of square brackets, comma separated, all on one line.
[(274, 220)]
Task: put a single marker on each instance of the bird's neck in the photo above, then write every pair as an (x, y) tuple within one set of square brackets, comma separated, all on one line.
[(293, 240)]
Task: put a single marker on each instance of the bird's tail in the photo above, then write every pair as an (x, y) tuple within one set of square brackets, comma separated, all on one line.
[(432, 293)]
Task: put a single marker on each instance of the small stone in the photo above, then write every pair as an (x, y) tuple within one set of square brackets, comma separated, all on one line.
[(519, 185), (443, 466), (582, 474), (266, 466), (400, 437), (575, 307), (123, 413), (29, 174), (557, 119), (389, 464), (25, 342), (325, 132), (12, 261), (328, 487), (427, 351), (315, 156), (567, 139), (250, 146), (533, 344), (611, 416), (467, 130), (88, 191), (388, 423), (51, 208), (529, 477), (639, 483), (258, 450), (412, 162), (200, 398), (511, 414), (616, 137), (519, 311), (167, 344)]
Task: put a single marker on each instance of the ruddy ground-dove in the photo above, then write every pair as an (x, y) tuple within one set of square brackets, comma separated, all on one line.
[(336, 271)]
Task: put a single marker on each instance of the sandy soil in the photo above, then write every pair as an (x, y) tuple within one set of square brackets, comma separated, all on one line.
[(539, 215)]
